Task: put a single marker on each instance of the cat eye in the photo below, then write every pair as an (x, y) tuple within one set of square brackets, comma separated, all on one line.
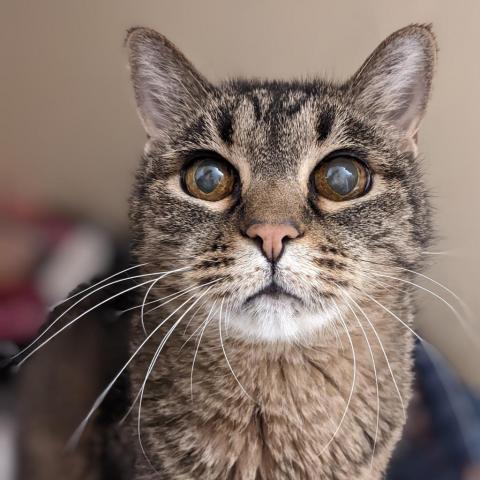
[(341, 178), (209, 179)]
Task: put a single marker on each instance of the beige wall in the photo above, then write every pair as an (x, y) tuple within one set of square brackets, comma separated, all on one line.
[(69, 132)]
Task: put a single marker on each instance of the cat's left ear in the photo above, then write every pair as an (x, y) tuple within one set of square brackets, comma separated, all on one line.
[(394, 83), (168, 88)]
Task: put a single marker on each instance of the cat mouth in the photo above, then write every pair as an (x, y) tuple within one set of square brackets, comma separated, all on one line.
[(274, 292)]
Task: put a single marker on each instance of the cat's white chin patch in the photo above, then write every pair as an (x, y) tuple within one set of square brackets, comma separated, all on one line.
[(276, 320)]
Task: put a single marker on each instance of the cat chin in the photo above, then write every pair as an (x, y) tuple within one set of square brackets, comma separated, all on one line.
[(277, 320)]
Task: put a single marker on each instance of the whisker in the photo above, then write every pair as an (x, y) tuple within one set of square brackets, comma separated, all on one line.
[(376, 379), (384, 284), (228, 312), (61, 302), (151, 366), (172, 297), (142, 319), (353, 380), (395, 316), (189, 290), (79, 430), (54, 322), (191, 319), (205, 324), (167, 336), (444, 252), (461, 302), (196, 331), (374, 330), (71, 322), (467, 327), (225, 353), (337, 335), (175, 294), (465, 307)]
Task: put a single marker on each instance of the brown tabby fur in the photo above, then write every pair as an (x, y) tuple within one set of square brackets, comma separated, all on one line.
[(283, 413)]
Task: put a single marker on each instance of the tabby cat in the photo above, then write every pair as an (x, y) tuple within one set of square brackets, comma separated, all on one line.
[(276, 225)]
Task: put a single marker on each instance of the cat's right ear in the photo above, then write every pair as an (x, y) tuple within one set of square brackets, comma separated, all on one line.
[(167, 86)]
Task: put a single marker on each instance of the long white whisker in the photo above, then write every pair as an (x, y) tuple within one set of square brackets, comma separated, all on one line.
[(376, 379), (188, 290), (225, 320), (456, 314), (444, 252), (466, 326), (78, 432), (71, 322), (465, 307), (192, 316), (174, 295), (138, 393), (197, 347), (151, 366), (162, 343), (61, 302), (395, 316), (227, 317), (383, 350), (54, 322), (337, 335), (137, 396), (353, 381), (142, 319), (196, 331), (225, 353)]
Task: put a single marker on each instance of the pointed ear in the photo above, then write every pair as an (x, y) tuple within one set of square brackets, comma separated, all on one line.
[(395, 81), (167, 86)]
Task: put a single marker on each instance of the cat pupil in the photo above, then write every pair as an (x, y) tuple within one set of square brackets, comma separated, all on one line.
[(208, 177), (342, 175)]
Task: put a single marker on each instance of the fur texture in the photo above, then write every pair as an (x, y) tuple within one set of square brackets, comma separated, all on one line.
[(284, 387)]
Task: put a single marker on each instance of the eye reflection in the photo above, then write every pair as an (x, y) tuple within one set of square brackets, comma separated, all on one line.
[(209, 179), (341, 178), (208, 176), (342, 175)]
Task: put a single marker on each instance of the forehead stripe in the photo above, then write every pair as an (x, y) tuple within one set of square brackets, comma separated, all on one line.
[(225, 127), (325, 124)]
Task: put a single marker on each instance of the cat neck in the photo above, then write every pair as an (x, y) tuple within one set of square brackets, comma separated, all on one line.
[(255, 401)]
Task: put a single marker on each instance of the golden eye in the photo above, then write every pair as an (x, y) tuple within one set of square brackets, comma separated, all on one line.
[(341, 178), (209, 179)]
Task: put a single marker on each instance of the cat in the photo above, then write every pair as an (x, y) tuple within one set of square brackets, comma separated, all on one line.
[(293, 214), (275, 226)]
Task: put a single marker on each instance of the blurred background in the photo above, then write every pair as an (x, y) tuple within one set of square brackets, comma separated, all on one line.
[(70, 139)]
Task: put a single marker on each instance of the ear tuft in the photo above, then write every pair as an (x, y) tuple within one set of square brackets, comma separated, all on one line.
[(394, 83), (167, 86)]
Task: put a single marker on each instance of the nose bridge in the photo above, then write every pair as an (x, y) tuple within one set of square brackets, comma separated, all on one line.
[(273, 203)]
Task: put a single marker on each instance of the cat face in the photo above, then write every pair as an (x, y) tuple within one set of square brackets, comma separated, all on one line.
[(282, 198)]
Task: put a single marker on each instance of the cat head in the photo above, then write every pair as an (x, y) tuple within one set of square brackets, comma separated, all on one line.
[(282, 197)]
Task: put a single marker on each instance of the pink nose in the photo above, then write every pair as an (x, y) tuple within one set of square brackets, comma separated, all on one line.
[(272, 236)]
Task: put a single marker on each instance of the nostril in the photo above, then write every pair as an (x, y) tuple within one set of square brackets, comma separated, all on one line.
[(258, 240)]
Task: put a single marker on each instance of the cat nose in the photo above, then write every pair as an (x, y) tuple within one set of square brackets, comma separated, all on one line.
[(273, 237)]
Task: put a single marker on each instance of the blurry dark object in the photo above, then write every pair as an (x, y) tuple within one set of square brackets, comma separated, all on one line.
[(56, 390), (442, 437)]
